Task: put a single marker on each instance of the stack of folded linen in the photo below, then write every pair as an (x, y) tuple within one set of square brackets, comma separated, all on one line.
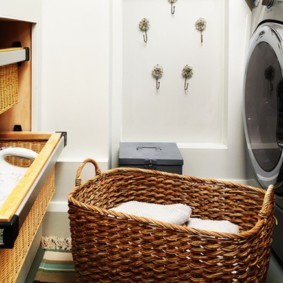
[(178, 213), (7, 182), (171, 213), (214, 225), (11, 174)]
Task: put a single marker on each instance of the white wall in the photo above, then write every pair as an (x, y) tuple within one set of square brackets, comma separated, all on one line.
[(75, 85), (170, 113), (228, 162), (28, 10), (207, 122), (75, 75), (86, 83)]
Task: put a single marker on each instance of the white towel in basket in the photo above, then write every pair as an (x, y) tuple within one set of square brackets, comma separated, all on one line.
[(11, 174), (214, 225), (7, 182), (172, 213)]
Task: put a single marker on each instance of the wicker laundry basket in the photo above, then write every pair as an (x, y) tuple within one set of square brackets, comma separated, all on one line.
[(8, 86), (110, 246), (12, 260)]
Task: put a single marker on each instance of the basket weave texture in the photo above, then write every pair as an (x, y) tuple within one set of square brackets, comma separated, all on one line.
[(110, 246), (11, 260), (8, 86)]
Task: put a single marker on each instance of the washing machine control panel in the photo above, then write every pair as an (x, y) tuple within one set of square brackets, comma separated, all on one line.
[(267, 3)]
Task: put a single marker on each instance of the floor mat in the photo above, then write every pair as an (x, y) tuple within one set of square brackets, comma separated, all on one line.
[(57, 263)]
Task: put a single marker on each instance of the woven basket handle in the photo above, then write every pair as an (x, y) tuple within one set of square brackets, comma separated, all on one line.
[(78, 180), (268, 202)]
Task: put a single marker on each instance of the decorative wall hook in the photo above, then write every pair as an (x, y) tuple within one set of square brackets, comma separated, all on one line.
[(144, 27), (187, 73), (157, 73), (172, 6), (200, 26)]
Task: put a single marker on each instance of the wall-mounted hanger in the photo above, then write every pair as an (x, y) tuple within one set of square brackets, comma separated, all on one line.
[(200, 26), (144, 27), (187, 73), (172, 6), (157, 73)]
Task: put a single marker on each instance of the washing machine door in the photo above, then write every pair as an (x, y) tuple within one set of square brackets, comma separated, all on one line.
[(263, 104)]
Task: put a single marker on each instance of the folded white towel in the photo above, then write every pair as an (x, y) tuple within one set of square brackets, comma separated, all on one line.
[(213, 225), (7, 182), (171, 213), (11, 174)]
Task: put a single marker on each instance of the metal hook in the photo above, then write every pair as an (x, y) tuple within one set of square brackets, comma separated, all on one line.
[(186, 85), (157, 84), (200, 26), (172, 9), (145, 37)]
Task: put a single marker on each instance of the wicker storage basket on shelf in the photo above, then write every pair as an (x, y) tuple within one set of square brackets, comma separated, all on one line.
[(8, 86), (12, 260), (110, 246)]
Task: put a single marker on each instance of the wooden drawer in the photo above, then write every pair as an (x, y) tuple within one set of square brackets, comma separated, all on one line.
[(14, 210), (22, 212)]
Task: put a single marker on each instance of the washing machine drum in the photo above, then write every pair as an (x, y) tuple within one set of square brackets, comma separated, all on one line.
[(263, 104)]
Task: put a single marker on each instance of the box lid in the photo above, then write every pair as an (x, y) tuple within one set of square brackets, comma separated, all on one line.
[(138, 153)]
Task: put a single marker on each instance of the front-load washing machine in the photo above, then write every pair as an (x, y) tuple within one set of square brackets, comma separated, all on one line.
[(263, 104)]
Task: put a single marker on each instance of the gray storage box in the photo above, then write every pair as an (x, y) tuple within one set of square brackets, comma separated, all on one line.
[(156, 156)]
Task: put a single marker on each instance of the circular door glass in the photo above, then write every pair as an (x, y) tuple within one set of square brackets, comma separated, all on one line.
[(261, 105)]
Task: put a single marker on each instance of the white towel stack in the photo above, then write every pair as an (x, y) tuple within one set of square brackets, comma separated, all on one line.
[(213, 225), (179, 214), (11, 174), (171, 213), (7, 182)]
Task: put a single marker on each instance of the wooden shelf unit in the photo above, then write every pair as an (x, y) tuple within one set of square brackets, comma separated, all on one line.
[(12, 32)]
